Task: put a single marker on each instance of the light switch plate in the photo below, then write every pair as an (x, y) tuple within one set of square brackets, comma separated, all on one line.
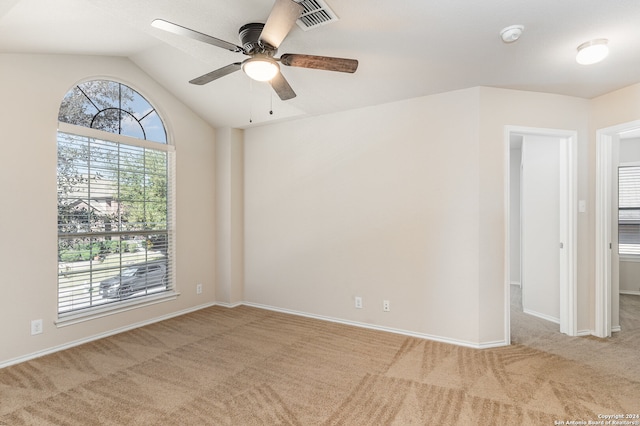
[(582, 206)]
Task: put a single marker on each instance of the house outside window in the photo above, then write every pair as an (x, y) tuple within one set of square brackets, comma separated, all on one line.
[(115, 201)]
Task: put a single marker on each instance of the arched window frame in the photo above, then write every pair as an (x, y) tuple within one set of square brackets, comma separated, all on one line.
[(108, 105), (81, 292)]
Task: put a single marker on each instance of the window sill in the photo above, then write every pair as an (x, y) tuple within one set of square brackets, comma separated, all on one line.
[(116, 308)]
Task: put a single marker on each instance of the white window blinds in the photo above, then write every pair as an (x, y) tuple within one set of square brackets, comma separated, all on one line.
[(629, 210), (115, 222)]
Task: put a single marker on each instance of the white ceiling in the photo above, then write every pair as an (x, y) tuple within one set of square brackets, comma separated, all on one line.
[(405, 48)]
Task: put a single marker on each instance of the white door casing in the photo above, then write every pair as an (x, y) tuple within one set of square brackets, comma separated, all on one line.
[(568, 224)]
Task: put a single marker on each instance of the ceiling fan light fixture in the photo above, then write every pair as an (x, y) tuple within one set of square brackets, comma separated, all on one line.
[(592, 51), (261, 68)]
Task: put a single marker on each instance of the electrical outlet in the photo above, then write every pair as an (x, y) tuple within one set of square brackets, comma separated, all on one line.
[(199, 288), (358, 302), (386, 306), (36, 327)]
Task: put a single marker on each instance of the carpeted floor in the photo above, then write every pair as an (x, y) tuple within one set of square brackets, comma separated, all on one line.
[(246, 366)]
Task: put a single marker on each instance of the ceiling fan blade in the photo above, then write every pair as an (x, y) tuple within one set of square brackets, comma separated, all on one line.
[(214, 75), (183, 31), (281, 19), (282, 88), (319, 62)]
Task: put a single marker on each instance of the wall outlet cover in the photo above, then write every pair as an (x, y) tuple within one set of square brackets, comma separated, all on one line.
[(36, 327)]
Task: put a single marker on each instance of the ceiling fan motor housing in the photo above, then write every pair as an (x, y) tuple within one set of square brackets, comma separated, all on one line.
[(250, 39)]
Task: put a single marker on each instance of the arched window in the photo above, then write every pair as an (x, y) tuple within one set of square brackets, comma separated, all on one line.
[(112, 107), (115, 201)]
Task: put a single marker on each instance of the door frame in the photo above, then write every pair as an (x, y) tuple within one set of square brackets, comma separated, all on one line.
[(568, 224), (605, 139)]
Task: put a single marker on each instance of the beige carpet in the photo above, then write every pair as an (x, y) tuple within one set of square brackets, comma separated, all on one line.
[(246, 366)]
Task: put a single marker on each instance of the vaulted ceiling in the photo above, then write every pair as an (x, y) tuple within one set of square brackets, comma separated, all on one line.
[(405, 48)]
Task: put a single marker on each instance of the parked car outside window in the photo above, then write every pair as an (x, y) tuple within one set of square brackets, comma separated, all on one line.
[(135, 278)]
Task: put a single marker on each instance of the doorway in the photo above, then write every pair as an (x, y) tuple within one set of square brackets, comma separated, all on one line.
[(607, 282), (562, 236)]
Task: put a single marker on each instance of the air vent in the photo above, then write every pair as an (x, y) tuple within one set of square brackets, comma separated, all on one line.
[(315, 13)]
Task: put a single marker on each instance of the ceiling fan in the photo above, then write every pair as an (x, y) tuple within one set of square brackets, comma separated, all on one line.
[(261, 42)]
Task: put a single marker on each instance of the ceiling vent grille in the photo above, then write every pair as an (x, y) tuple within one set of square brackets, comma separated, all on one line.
[(315, 14)]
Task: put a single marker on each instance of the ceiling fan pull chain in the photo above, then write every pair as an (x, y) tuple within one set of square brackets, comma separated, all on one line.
[(250, 101), (271, 105)]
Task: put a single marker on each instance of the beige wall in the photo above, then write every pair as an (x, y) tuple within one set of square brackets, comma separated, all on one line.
[(618, 107), (32, 87), (514, 212), (629, 277), (229, 169), (378, 202), (403, 202)]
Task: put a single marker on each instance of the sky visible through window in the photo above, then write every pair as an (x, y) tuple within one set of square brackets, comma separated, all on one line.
[(112, 107)]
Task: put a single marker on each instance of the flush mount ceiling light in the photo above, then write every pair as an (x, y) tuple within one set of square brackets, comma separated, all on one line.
[(261, 68), (511, 33), (592, 51)]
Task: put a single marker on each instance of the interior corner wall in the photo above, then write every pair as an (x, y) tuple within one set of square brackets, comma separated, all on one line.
[(500, 108), (379, 202), (28, 248), (229, 215)]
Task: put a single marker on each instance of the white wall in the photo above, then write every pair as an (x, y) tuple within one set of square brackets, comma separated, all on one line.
[(32, 87), (379, 202), (541, 227), (629, 150)]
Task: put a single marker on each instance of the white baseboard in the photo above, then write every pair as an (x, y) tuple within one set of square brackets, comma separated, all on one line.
[(441, 339), (542, 316), (229, 305), (53, 349), (631, 292), (79, 342), (593, 333)]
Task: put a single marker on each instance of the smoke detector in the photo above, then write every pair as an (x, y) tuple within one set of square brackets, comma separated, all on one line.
[(511, 33)]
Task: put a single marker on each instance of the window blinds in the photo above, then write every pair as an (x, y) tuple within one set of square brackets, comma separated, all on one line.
[(115, 222), (629, 209)]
